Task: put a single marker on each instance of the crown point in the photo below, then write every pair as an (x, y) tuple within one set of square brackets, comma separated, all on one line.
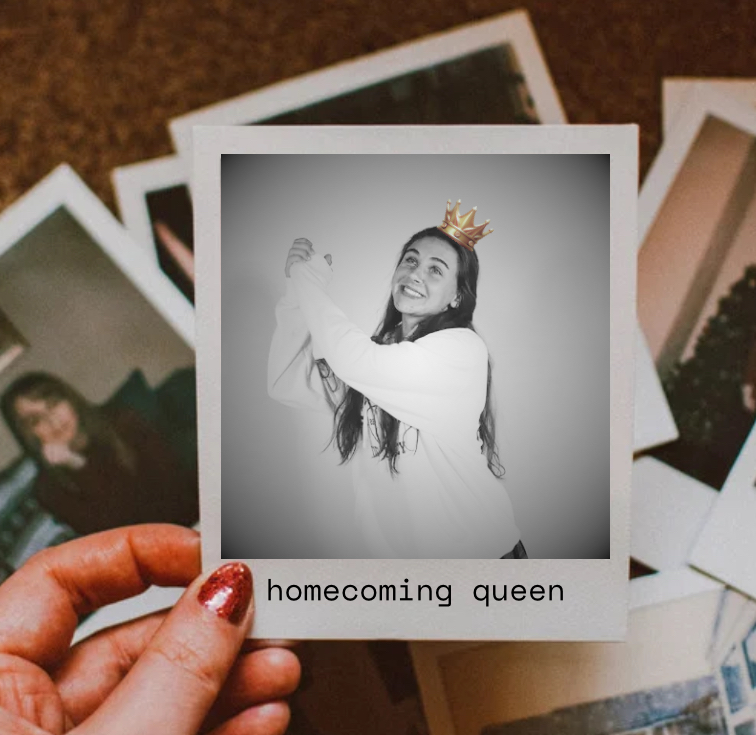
[(461, 227)]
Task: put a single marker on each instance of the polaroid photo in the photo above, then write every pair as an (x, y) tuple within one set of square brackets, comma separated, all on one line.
[(695, 272), (688, 666), (493, 69), (156, 209), (555, 313), (676, 89), (97, 382)]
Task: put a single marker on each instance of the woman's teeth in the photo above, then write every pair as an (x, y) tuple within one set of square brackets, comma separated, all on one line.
[(412, 293)]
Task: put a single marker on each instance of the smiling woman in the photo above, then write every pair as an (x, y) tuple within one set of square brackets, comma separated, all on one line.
[(101, 466), (411, 404), (425, 281)]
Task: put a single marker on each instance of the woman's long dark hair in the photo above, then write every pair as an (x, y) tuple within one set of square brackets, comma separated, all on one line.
[(348, 414), (93, 424)]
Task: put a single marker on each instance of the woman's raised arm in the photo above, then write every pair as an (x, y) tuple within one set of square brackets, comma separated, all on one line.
[(295, 375), (414, 381)]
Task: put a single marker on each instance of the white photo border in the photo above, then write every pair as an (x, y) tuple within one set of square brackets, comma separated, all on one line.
[(676, 90), (512, 28), (670, 508), (585, 615)]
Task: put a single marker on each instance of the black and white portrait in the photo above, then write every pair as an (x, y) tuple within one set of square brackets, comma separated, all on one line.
[(389, 392)]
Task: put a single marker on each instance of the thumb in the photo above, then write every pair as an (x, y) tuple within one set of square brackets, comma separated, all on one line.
[(328, 259), (177, 678)]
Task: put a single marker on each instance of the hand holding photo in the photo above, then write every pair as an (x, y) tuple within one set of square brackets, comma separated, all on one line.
[(407, 456)]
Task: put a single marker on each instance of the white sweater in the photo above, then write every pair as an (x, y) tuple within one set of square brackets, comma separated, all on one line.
[(444, 503)]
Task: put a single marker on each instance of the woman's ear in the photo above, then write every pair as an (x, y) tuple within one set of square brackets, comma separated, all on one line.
[(455, 302)]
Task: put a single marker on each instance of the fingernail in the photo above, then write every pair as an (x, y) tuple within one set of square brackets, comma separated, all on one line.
[(228, 592)]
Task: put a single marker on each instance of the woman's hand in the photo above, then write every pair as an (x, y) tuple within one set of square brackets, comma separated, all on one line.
[(177, 672), (61, 455), (176, 248), (301, 251)]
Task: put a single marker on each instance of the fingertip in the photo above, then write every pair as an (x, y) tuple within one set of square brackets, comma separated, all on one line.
[(227, 592), (179, 674), (283, 669), (275, 716), (271, 718)]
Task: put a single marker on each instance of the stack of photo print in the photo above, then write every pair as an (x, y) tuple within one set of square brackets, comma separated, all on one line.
[(97, 317)]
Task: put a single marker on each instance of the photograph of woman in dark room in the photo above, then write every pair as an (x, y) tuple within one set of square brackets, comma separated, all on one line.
[(103, 466)]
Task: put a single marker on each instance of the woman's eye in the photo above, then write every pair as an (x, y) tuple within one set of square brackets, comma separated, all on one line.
[(436, 270)]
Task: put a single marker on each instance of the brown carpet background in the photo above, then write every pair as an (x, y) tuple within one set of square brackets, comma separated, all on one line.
[(93, 83)]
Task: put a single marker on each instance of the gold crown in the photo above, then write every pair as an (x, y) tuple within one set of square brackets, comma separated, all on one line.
[(461, 228)]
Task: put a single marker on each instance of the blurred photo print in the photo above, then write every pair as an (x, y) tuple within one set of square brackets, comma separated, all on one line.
[(97, 387), (493, 69), (697, 308), (686, 668), (155, 206), (389, 352)]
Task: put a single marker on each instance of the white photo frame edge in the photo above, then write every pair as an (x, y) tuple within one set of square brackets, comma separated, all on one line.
[(609, 575), (513, 27), (675, 92), (660, 544)]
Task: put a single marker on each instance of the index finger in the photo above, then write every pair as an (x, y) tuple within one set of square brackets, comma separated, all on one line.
[(41, 603)]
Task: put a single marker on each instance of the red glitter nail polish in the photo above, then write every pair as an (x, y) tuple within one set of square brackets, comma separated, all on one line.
[(228, 592)]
